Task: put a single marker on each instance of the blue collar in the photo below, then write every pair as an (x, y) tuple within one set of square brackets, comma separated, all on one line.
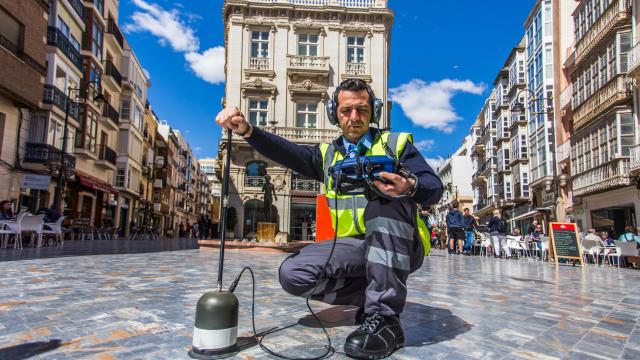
[(365, 141)]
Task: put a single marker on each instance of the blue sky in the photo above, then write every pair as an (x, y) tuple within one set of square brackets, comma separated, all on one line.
[(444, 58)]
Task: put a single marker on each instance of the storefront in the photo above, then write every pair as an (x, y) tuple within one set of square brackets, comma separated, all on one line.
[(609, 211), (94, 199)]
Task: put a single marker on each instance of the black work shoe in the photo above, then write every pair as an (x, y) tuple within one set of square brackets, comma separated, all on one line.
[(360, 316), (378, 337)]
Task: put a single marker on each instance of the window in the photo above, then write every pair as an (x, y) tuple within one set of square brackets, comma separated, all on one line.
[(307, 45), (121, 175), (89, 132), (259, 44), (137, 117), (257, 168), (10, 32), (625, 49), (306, 115), (125, 109), (258, 112), (54, 135), (99, 4), (627, 133), (95, 78), (355, 49), (96, 41)]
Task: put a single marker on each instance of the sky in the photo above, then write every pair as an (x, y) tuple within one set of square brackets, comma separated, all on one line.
[(444, 58)]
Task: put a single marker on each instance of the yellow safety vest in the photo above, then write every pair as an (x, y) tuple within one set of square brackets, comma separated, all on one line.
[(347, 205)]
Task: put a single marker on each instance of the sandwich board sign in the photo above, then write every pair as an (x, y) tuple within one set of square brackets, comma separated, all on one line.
[(565, 242)]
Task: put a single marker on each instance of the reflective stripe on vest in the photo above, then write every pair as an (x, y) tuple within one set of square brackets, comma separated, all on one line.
[(342, 207)]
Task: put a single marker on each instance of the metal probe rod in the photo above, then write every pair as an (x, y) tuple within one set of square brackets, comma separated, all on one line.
[(225, 204)]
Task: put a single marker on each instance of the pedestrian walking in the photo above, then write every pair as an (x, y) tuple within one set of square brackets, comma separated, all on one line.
[(455, 228), (498, 232)]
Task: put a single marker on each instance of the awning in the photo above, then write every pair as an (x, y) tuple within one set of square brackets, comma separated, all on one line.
[(95, 184), (524, 216)]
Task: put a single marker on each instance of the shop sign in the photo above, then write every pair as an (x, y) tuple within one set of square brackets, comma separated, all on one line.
[(36, 182)]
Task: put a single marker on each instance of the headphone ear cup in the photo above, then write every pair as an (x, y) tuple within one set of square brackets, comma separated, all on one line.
[(331, 112), (377, 111)]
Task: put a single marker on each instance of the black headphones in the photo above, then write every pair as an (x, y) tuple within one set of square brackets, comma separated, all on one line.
[(332, 104)]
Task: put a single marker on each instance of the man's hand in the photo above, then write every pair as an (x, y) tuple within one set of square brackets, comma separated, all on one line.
[(399, 185), (232, 119)]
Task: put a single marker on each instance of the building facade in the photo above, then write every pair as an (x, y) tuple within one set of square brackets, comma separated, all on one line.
[(604, 124), (456, 174), (283, 59)]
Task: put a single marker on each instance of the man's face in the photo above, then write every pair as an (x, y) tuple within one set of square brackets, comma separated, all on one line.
[(354, 113), (466, 212)]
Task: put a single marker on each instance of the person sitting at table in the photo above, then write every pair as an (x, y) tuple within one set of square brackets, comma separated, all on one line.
[(608, 240), (6, 211), (629, 235), (536, 236)]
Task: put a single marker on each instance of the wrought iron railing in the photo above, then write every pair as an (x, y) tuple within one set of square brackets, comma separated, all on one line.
[(254, 181), (9, 45), (111, 70), (44, 153), (113, 29), (54, 96), (106, 153), (57, 38), (305, 185), (110, 112)]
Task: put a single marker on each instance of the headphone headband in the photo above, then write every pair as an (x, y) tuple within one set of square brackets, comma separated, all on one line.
[(376, 104)]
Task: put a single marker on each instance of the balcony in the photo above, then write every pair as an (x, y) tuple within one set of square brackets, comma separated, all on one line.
[(259, 63), (56, 97), (106, 157), (618, 13), (518, 158), (478, 148), (515, 123), (616, 92), (611, 175), (566, 96), (519, 196), (254, 181), (303, 135), (45, 153), (112, 28), (56, 38), (563, 152), (304, 187), (308, 66), (345, 3), (112, 73), (356, 70), (109, 112), (634, 165)]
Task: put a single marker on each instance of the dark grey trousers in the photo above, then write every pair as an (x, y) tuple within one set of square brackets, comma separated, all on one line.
[(369, 273)]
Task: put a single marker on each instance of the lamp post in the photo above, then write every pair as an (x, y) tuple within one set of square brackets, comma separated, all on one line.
[(63, 172)]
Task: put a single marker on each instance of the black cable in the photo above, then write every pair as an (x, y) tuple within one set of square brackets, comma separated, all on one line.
[(329, 348)]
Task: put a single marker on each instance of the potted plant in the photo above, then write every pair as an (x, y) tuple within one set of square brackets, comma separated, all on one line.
[(231, 221)]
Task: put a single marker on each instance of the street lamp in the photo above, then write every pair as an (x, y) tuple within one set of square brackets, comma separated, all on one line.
[(519, 109), (60, 166)]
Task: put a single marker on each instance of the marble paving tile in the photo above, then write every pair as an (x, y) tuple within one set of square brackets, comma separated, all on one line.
[(109, 300)]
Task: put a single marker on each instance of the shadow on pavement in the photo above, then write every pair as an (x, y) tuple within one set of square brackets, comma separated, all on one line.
[(422, 324), (98, 247), (27, 350)]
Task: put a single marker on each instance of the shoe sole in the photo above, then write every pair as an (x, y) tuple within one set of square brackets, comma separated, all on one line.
[(354, 352)]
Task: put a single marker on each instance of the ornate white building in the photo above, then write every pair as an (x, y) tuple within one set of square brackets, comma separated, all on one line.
[(283, 59)]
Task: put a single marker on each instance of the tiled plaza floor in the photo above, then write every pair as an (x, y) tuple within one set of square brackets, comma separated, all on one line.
[(142, 305)]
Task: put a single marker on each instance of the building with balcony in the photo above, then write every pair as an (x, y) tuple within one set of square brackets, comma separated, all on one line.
[(23, 58), (456, 174), (149, 166), (210, 168), (540, 83), (604, 125), (484, 180), (283, 60), (131, 138)]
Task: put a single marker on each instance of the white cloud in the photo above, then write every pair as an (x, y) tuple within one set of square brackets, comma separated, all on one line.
[(164, 24), (208, 65), (425, 145), (429, 105), (436, 162)]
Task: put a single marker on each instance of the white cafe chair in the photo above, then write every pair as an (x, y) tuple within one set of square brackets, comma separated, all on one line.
[(55, 229), (623, 249)]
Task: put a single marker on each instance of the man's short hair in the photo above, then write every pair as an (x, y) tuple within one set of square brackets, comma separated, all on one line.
[(466, 209), (354, 85), (455, 204)]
